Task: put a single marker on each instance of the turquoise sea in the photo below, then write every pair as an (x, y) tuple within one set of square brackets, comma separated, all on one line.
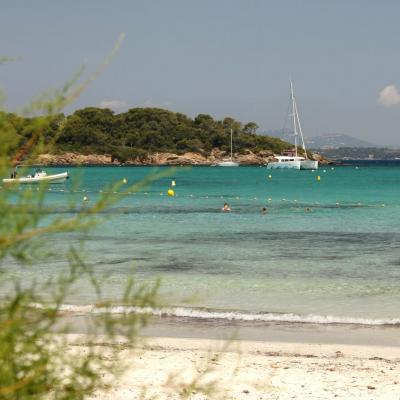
[(327, 251)]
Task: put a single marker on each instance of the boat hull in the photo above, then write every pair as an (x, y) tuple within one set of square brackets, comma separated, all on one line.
[(228, 164), (284, 165), (309, 164), (56, 178)]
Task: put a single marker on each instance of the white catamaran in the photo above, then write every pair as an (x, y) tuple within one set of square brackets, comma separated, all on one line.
[(289, 160), (230, 162)]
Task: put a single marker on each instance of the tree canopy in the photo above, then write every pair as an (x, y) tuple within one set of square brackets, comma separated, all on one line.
[(143, 130)]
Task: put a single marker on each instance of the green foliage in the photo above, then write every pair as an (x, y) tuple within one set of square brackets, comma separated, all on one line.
[(144, 130), (36, 360)]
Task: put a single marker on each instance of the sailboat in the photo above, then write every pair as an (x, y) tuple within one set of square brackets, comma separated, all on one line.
[(291, 159), (230, 162)]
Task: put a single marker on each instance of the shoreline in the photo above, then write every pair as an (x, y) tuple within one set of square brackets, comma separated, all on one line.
[(160, 159), (331, 163), (262, 332), (249, 369), (332, 334)]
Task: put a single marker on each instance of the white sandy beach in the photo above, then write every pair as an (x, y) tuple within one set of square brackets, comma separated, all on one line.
[(253, 370)]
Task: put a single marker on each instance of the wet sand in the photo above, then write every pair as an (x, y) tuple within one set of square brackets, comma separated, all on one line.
[(173, 327)]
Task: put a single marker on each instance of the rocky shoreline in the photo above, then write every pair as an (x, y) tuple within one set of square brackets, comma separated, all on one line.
[(159, 159)]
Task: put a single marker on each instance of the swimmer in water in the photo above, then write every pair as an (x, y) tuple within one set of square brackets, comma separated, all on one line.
[(264, 210), (226, 208)]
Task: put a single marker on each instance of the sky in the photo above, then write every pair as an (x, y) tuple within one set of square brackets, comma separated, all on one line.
[(219, 57)]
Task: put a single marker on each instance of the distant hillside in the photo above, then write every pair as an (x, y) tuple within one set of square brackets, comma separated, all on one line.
[(328, 141), (335, 141), (361, 153)]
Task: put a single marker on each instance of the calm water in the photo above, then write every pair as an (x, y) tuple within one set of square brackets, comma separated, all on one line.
[(339, 261)]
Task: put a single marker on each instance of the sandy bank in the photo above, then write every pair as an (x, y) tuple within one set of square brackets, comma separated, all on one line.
[(254, 370)]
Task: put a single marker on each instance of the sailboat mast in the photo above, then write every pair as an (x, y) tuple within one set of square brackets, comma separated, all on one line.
[(231, 145), (293, 117), (300, 130)]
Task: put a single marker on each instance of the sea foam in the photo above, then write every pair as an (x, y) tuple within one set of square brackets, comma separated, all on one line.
[(205, 314)]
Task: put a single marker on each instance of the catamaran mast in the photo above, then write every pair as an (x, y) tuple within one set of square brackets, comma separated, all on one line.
[(293, 117), (296, 123), (300, 130)]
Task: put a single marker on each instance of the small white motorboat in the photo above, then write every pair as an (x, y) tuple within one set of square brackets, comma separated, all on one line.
[(37, 177)]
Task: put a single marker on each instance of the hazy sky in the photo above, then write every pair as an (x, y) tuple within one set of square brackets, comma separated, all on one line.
[(218, 57)]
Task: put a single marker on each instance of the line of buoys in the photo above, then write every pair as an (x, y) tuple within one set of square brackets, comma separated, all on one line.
[(171, 193)]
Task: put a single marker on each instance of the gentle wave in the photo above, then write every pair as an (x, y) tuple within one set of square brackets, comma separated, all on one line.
[(182, 312)]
